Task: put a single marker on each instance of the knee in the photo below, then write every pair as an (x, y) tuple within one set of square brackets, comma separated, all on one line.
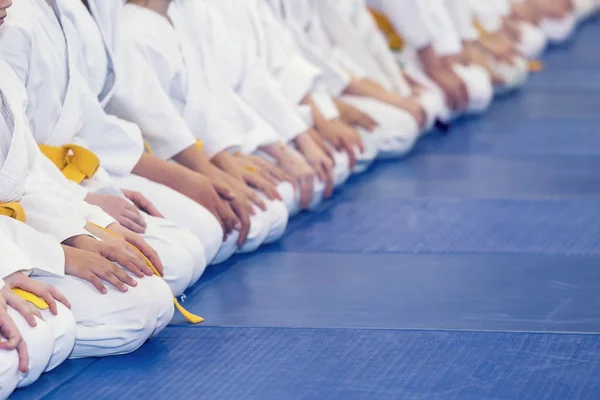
[(435, 108), (259, 230), (160, 299), (279, 217), (558, 30), (40, 345), (210, 233), (227, 249), (341, 168), (9, 372), (198, 256), (64, 328), (397, 138), (291, 200), (319, 190), (369, 153), (480, 88), (533, 41)]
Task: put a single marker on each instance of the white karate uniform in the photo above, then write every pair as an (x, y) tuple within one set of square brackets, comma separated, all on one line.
[(62, 110), (584, 9), (489, 13), (114, 323), (127, 88), (426, 22), (350, 25), (398, 129), (207, 31), (463, 14), (52, 340), (217, 122)]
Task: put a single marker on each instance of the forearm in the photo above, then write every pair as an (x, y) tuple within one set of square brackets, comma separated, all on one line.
[(429, 59), (193, 158), (170, 174)]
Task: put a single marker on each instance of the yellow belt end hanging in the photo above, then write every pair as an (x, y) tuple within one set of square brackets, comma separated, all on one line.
[(192, 318), (536, 66), (32, 298)]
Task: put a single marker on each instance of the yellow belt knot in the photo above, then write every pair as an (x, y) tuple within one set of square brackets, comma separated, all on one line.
[(194, 319), (76, 163), (13, 210), (200, 145)]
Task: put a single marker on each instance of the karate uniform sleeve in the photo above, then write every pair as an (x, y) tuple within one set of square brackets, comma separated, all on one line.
[(13, 259), (333, 76), (408, 19), (25, 249), (485, 13), (446, 39), (461, 13), (285, 61), (140, 98), (119, 148), (350, 25)]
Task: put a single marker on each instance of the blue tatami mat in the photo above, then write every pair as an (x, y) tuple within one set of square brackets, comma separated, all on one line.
[(265, 364), (465, 292), (468, 270), (468, 176), (452, 226)]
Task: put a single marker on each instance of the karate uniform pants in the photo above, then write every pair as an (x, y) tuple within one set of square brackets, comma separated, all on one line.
[(116, 322), (397, 132), (49, 343), (194, 217)]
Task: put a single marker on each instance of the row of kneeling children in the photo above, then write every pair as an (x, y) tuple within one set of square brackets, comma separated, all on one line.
[(142, 141)]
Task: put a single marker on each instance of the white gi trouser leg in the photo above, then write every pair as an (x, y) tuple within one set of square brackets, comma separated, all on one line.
[(558, 30), (278, 216), (286, 189), (533, 40), (63, 327), (514, 76), (184, 212), (180, 251), (365, 159), (479, 87), (397, 132), (341, 167), (9, 372), (40, 345), (116, 322), (434, 104)]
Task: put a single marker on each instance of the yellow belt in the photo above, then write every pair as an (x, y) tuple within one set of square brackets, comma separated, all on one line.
[(394, 39), (194, 319), (16, 211), (76, 163), (13, 210)]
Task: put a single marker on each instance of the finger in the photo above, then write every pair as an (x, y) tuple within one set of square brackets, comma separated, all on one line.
[(23, 352), (59, 296), (328, 172), (245, 222), (127, 261), (42, 291), (136, 217), (139, 244), (230, 219), (224, 192), (22, 307), (464, 93), (306, 185), (367, 122), (257, 200), (150, 209), (131, 225), (111, 278), (349, 149), (93, 279), (261, 184)]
